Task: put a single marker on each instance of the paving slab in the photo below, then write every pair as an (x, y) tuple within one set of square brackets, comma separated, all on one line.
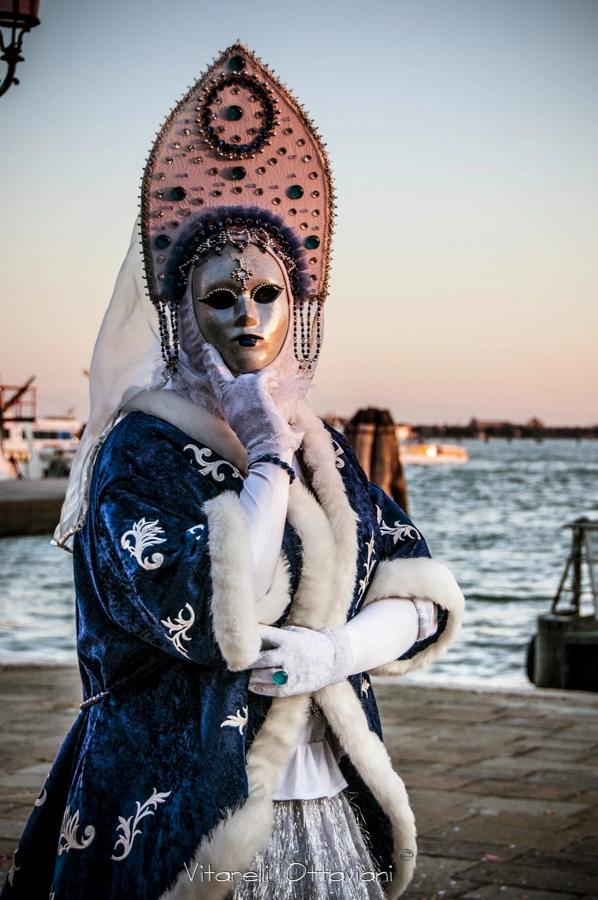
[(503, 892), (528, 807), (581, 830), (487, 831), (587, 846), (572, 779), (524, 788), (562, 754), (546, 879), (451, 847), (566, 861), (414, 778), (434, 874), (11, 829)]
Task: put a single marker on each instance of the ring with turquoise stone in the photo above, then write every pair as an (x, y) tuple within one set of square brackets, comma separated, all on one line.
[(280, 677)]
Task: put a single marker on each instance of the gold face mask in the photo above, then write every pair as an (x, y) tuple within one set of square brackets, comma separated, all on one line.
[(242, 306)]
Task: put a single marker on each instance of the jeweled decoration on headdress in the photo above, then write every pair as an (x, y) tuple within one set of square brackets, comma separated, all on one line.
[(238, 160)]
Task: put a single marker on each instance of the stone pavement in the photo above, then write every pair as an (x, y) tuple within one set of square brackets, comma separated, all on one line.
[(504, 785)]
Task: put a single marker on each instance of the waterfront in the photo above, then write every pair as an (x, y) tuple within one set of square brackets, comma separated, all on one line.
[(495, 521)]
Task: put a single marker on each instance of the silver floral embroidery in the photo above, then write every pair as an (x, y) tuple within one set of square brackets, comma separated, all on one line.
[(365, 686), (239, 721), (338, 452), (144, 534), (42, 796), (130, 832), (400, 531), (368, 566), (207, 467), (179, 628), (195, 528), (68, 833), (10, 875)]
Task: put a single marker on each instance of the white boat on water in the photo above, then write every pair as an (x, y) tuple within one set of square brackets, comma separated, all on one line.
[(30, 448), (432, 454)]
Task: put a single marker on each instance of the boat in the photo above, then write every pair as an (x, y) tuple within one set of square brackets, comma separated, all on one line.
[(40, 448), (432, 454), (32, 447), (48, 435)]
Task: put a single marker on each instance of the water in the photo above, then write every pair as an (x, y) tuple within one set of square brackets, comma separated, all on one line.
[(37, 602), (496, 522)]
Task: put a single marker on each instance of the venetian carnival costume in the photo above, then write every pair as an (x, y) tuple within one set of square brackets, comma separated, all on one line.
[(236, 575)]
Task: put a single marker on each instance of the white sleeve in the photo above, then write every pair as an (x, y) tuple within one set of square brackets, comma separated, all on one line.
[(264, 500), (380, 633)]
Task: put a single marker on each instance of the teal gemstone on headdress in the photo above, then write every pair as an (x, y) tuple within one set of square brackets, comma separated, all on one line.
[(295, 192), (280, 677), (234, 113), (238, 173), (236, 63), (162, 241), (312, 242), (178, 193)]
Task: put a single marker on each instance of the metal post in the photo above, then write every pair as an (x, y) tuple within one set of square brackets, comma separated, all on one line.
[(591, 570)]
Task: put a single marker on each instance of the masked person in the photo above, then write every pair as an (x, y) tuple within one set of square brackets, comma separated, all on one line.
[(237, 577)]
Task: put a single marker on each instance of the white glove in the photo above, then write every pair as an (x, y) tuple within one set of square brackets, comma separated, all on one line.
[(249, 408), (381, 632), (311, 660)]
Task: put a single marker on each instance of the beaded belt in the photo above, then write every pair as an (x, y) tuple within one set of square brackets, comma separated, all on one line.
[(93, 700)]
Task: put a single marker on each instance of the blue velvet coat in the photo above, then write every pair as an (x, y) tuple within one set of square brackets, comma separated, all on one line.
[(156, 757)]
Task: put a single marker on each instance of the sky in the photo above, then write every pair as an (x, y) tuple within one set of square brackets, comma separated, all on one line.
[(470, 289)]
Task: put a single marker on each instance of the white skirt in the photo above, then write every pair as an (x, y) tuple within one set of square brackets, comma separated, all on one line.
[(316, 852)]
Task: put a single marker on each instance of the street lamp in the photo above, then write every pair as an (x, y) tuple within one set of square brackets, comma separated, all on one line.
[(18, 16)]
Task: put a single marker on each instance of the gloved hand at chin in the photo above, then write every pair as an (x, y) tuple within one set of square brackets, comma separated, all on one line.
[(311, 660), (249, 408)]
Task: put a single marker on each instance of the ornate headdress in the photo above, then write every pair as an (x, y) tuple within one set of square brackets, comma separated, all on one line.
[(238, 160)]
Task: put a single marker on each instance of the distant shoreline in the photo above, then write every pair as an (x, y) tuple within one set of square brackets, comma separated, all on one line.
[(482, 429), (506, 431)]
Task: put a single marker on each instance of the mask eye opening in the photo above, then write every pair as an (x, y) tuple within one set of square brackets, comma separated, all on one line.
[(266, 293), (219, 298)]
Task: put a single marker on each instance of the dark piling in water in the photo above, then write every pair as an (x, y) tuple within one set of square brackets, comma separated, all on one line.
[(373, 435)]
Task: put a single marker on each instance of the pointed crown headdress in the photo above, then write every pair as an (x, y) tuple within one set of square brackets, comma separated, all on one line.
[(238, 159)]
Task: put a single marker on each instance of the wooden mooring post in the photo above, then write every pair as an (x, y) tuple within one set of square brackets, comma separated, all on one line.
[(373, 435)]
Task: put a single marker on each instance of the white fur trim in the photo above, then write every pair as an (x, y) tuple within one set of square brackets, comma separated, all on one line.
[(311, 603), (421, 579), (370, 757), (328, 485), (233, 605)]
